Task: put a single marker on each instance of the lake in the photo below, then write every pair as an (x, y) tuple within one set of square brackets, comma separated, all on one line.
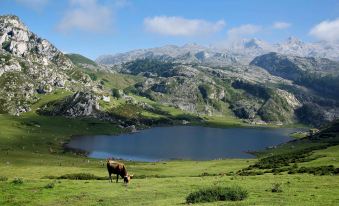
[(182, 142)]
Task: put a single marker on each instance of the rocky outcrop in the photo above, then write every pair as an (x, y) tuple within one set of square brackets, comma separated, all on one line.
[(320, 78), (80, 104), (16, 39), (16, 93), (35, 65)]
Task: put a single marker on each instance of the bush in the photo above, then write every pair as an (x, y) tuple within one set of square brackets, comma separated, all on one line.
[(18, 181), (206, 174), (49, 185), (93, 76), (81, 176), (116, 93), (3, 178), (217, 194), (205, 91), (49, 177), (321, 170), (276, 187), (248, 172), (6, 44), (281, 160)]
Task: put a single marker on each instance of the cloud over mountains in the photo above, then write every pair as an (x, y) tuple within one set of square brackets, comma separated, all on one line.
[(326, 30), (179, 26)]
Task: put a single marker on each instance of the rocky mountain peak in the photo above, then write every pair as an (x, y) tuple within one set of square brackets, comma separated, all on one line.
[(30, 65), (249, 44), (293, 40), (14, 21), (16, 39), (255, 43), (241, 51), (193, 46)]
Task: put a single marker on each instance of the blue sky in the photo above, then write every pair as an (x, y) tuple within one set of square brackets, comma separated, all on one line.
[(95, 27)]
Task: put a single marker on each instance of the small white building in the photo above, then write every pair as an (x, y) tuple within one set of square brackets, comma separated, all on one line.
[(106, 98)]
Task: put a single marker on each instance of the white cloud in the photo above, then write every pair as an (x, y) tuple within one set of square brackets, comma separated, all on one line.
[(326, 30), (243, 30), (179, 26), (87, 15), (281, 25), (33, 4)]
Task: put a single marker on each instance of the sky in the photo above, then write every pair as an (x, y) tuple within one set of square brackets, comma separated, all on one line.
[(96, 27)]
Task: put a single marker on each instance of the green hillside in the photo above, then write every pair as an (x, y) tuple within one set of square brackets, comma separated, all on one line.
[(79, 59)]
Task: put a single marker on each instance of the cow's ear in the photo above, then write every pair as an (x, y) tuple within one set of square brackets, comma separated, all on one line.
[(131, 176)]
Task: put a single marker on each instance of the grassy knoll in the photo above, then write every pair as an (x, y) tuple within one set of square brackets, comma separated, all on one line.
[(31, 148), (296, 189)]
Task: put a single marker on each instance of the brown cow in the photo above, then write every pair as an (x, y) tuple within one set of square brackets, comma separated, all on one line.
[(117, 168)]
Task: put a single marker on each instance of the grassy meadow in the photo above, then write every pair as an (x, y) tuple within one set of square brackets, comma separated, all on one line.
[(31, 149)]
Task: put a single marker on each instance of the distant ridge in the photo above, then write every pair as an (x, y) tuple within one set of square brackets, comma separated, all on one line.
[(242, 51)]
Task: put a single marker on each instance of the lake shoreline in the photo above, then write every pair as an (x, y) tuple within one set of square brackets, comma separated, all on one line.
[(270, 134)]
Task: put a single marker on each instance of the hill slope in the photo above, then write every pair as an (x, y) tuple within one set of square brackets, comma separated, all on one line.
[(249, 92), (79, 59)]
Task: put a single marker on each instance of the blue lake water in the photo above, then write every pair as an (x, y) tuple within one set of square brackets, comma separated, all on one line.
[(182, 142)]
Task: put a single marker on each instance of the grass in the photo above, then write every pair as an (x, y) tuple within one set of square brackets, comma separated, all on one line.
[(298, 135), (112, 80), (298, 190), (31, 150), (223, 121)]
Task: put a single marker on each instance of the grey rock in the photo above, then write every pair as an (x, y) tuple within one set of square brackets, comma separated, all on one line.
[(81, 104)]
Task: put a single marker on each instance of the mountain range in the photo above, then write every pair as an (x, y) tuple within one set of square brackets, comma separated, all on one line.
[(239, 52), (251, 80)]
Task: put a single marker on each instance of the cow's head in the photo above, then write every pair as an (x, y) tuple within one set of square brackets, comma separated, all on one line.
[(128, 178)]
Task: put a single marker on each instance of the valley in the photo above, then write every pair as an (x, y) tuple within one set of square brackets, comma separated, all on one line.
[(47, 97)]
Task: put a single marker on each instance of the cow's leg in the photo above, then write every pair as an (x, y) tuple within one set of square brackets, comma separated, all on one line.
[(117, 178), (110, 176)]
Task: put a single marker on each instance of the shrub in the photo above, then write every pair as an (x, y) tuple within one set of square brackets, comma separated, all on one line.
[(247, 172), (3, 178), (49, 177), (81, 176), (93, 76), (205, 91), (6, 44), (205, 174), (18, 181), (321, 170), (116, 93), (49, 185), (281, 160), (217, 194), (276, 187)]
